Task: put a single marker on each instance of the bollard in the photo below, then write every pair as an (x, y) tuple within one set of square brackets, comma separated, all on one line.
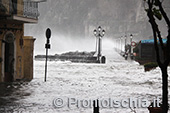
[(103, 59)]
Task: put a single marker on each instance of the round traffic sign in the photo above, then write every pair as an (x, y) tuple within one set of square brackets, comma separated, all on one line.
[(133, 44), (48, 33)]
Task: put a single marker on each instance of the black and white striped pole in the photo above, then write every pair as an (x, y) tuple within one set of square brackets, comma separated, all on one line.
[(47, 46)]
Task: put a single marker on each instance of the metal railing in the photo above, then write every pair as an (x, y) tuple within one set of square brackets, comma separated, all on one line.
[(31, 10), (28, 9)]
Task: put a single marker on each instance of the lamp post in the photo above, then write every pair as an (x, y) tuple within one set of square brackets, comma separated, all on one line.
[(131, 37), (99, 33), (95, 32), (121, 43), (125, 42)]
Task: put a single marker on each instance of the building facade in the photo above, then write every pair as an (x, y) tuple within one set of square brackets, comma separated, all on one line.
[(16, 50), (145, 51)]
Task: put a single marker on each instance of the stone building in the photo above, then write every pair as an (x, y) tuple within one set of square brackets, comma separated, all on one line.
[(16, 50)]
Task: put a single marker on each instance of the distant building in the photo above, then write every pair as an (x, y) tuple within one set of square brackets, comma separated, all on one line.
[(145, 51), (16, 50)]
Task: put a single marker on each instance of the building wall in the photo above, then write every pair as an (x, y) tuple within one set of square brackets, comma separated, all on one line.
[(17, 30), (20, 7), (6, 5), (19, 55), (21, 47), (28, 57)]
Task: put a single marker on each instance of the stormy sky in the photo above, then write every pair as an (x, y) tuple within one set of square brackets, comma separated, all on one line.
[(72, 23)]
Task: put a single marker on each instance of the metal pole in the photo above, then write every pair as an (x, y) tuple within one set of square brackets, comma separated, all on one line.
[(96, 44), (131, 43), (120, 44), (99, 49), (47, 46), (132, 48), (46, 64), (101, 44), (125, 42)]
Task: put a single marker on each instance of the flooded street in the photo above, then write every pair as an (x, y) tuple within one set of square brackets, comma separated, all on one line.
[(97, 33), (117, 79)]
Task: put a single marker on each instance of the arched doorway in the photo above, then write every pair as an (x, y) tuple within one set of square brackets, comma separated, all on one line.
[(9, 57)]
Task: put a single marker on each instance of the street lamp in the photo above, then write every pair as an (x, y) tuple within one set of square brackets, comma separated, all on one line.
[(125, 42), (121, 44), (99, 33), (95, 32), (131, 37)]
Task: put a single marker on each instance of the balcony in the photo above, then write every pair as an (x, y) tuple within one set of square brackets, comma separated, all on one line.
[(26, 12), (30, 10), (20, 11)]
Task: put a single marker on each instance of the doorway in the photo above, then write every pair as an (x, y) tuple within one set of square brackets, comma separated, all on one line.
[(9, 58)]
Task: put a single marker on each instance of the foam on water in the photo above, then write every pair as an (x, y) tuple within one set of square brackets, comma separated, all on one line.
[(117, 78)]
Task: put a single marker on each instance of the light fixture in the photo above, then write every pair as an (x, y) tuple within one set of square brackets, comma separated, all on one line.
[(131, 36), (99, 32), (95, 32), (103, 32), (99, 28)]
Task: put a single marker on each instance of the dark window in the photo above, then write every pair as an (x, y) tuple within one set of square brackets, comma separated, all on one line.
[(14, 6)]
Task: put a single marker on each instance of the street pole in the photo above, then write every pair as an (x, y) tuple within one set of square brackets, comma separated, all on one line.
[(99, 49), (131, 36), (121, 45), (125, 42), (47, 46), (96, 44), (46, 65)]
